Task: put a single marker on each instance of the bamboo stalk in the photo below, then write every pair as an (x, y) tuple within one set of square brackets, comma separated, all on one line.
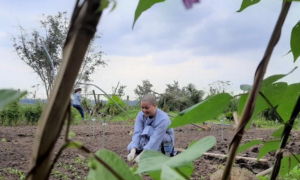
[(83, 25), (250, 104)]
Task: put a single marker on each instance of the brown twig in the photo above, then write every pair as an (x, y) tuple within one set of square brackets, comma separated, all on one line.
[(258, 78)]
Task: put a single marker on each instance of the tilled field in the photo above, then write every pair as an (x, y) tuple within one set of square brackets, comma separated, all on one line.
[(15, 152)]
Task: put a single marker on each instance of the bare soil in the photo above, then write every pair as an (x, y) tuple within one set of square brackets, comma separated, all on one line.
[(16, 151)]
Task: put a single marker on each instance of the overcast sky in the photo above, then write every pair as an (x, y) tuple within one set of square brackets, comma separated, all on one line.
[(207, 43)]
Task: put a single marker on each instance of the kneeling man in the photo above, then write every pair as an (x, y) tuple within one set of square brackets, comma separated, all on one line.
[(151, 130)]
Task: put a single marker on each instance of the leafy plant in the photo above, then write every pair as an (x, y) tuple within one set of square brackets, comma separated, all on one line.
[(112, 108)]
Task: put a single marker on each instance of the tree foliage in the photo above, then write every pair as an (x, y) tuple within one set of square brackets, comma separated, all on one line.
[(176, 99), (145, 88), (29, 48)]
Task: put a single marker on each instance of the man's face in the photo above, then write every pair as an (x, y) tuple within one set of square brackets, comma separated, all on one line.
[(148, 109)]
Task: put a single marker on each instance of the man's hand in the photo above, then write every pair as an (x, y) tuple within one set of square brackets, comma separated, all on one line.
[(131, 155), (137, 159)]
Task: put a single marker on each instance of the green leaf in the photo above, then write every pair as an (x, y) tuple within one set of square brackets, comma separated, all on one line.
[(98, 171), (104, 5), (143, 6), (114, 5), (295, 41), (273, 92), (153, 160), (187, 170), (274, 78), (245, 87), (269, 146), (75, 144), (286, 107), (169, 173), (9, 96), (72, 135), (287, 164), (205, 110), (278, 132), (3, 140), (247, 3), (248, 145)]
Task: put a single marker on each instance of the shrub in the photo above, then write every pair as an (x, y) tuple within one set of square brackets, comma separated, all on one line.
[(13, 113), (112, 108), (32, 113), (229, 116)]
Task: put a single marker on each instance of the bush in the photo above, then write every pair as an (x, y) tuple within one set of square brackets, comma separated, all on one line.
[(32, 113), (13, 113), (229, 116), (112, 108)]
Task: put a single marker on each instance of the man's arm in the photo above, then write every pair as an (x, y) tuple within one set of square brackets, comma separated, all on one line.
[(138, 128), (158, 135)]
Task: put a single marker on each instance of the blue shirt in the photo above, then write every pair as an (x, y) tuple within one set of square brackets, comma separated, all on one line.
[(160, 123), (76, 99)]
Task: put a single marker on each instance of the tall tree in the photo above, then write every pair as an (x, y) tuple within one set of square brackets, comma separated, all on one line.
[(143, 89), (30, 49)]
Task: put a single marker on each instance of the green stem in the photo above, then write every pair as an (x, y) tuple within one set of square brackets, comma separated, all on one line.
[(83, 148)]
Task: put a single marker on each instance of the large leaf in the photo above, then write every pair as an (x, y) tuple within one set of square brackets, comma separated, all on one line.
[(143, 6), (286, 107), (269, 146), (205, 110), (187, 170), (154, 161), (245, 87), (248, 145), (169, 173), (273, 92), (247, 3), (8, 96), (295, 41), (276, 77), (98, 171), (278, 133), (287, 164)]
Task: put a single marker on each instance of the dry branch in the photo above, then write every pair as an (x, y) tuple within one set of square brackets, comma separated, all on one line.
[(82, 29), (258, 78), (225, 156)]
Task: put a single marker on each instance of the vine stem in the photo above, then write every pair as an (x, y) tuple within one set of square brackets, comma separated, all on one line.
[(286, 133), (258, 78)]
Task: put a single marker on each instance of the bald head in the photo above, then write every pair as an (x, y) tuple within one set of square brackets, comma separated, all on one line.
[(150, 98)]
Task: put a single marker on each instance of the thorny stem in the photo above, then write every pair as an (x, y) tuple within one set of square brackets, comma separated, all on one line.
[(286, 133), (258, 78)]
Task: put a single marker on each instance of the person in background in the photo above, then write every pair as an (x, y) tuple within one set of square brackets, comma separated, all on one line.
[(77, 101), (151, 131)]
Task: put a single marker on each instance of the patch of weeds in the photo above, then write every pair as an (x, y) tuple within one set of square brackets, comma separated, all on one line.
[(56, 174), (69, 168), (1, 177), (81, 161), (15, 172), (59, 175)]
